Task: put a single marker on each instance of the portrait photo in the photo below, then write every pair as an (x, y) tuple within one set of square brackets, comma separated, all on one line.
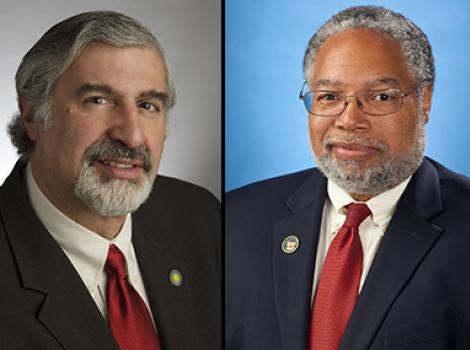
[(346, 175), (110, 172)]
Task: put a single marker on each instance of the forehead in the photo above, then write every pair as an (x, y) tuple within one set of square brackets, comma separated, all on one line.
[(125, 69), (361, 56)]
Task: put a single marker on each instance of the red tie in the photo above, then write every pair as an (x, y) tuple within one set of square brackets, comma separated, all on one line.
[(339, 283), (128, 316)]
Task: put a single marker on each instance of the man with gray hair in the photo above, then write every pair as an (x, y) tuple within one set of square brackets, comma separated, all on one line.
[(85, 263), (369, 250)]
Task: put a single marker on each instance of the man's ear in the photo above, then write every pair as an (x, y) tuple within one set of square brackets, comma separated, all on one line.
[(32, 126), (426, 102)]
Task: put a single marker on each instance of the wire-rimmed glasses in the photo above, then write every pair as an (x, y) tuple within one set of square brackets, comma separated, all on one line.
[(324, 103)]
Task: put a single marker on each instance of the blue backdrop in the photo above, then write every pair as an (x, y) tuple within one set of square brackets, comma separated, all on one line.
[(266, 125)]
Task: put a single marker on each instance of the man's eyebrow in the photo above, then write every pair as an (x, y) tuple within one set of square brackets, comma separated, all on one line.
[(383, 81), (101, 88), (328, 83), (159, 95), (322, 83)]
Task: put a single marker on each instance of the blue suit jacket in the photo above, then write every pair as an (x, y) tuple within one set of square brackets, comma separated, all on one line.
[(417, 292)]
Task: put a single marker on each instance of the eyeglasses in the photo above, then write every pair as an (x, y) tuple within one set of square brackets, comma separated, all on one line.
[(332, 103)]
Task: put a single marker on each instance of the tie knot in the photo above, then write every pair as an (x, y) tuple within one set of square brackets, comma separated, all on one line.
[(356, 214), (115, 263)]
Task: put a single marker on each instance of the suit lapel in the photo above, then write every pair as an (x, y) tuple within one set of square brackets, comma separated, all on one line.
[(293, 273), (171, 306), (66, 309), (72, 317), (407, 241)]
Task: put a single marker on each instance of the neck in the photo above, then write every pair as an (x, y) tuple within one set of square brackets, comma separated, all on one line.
[(361, 197), (105, 226)]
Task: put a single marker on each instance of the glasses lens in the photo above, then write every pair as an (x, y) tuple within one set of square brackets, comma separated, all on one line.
[(326, 103), (382, 102), (308, 102)]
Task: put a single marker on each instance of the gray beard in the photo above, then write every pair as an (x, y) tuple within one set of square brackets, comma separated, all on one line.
[(110, 196), (354, 176)]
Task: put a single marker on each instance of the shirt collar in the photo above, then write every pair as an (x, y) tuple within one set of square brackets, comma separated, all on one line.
[(381, 206), (86, 249)]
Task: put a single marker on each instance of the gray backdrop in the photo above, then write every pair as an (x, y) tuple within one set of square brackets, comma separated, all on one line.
[(190, 33)]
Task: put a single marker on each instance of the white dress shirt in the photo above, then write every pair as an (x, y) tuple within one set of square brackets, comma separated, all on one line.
[(86, 250), (371, 230)]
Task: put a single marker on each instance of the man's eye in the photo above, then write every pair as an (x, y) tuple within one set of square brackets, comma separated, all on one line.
[(327, 97), (383, 97), (151, 107), (98, 100)]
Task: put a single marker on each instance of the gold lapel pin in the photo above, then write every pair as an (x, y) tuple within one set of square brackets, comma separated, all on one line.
[(175, 277), (290, 244)]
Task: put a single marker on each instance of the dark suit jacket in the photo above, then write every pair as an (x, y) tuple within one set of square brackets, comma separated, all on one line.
[(45, 306), (417, 292)]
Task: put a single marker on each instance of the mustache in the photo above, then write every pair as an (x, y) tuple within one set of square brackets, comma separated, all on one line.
[(114, 149), (378, 144)]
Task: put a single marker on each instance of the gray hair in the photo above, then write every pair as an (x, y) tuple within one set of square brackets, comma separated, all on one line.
[(58, 49), (413, 42)]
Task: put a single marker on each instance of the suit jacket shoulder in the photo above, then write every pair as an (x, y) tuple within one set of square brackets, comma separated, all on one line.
[(177, 196), (182, 217), (451, 183), (271, 199), (279, 187)]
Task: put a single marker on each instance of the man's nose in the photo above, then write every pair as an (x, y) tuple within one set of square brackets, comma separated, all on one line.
[(127, 126), (352, 118)]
